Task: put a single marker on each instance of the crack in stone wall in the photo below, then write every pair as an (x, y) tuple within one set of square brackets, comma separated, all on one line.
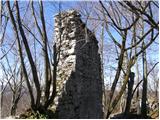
[(79, 69)]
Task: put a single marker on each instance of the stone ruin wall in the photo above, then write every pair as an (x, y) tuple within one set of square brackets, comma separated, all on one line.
[(78, 71)]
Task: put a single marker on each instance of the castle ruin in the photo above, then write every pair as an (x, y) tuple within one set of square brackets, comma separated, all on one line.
[(79, 69)]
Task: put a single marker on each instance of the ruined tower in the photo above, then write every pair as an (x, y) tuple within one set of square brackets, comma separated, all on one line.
[(78, 71)]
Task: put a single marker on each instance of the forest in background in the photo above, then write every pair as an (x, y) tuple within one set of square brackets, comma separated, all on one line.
[(128, 43)]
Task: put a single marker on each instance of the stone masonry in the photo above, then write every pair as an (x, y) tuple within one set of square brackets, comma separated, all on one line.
[(78, 71)]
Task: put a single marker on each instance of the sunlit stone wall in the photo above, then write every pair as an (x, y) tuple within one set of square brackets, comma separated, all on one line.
[(78, 72)]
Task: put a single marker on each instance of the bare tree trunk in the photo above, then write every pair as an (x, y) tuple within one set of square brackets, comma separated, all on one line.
[(118, 71), (46, 58), (32, 64), (144, 90), (122, 103), (137, 92), (1, 98), (137, 69), (21, 56), (102, 71), (130, 89), (56, 58), (17, 94), (43, 33), (157, 86), (123, 88), (15, 101), (13, 106), (53, 94), (144, 86)]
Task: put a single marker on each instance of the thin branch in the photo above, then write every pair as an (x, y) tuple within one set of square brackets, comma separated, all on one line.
[(142, 80), (146, 46), (20, 53), (28, 29), (152, 68), (35, 19), (121, 29), (8, 50), (152, 22), (141, 39)]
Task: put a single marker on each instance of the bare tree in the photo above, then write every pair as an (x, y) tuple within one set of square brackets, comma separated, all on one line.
[(37, 103), (14, 79), (123, 32), (20, 53)]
